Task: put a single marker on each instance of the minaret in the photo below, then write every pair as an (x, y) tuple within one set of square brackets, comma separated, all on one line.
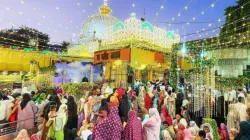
[(105, 10)]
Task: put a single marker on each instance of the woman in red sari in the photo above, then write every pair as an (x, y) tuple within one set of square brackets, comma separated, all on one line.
[(147, 101), (166, 116)]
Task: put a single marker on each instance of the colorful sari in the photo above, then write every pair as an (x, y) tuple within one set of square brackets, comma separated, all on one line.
[(133, 129), (110, 128)]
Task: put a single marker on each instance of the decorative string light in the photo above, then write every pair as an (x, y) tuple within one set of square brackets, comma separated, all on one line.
[(219, 20)]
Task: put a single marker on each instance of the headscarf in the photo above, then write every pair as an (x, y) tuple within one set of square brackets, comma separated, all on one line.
[(110, 128), (194, 128), (61, 118), (58, 103), (104, 105), (244, 133), (187, 134), (133, 129), (41, 98), (166, 116), (124, 107), (180, 132), (26, 99), (210, 130), (147, 101), (120, 92), (146, 117), (153, 112), (224, 131), (152, 126), (22, 135)]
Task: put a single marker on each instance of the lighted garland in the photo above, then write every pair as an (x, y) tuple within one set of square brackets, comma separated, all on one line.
[(174, 67), (50, 69), (144, 75), (77, 88), (231, 82)]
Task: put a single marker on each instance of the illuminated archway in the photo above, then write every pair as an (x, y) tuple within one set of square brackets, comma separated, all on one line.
[(170, 35), (147, 25), (118, 25)]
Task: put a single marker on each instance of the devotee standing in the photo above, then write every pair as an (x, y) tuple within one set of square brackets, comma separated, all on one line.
[(244, 133), (133, 129), (124, 107), (26, 113), (110, 128), (194, 129), (57, 122), (72, 113), (231, 116), (240, 109), (5, 102), (151, 128)]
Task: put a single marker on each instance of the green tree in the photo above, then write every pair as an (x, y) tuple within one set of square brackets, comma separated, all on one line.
[(236, 17)]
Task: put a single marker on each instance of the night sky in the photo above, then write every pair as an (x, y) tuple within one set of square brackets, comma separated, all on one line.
[(62, 18)]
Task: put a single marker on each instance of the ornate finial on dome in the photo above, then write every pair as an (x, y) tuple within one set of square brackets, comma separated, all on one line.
[(105, 10), (133, 15)]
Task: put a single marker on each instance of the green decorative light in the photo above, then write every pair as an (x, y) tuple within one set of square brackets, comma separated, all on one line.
[(62, 53), (47, 52), (170, 35), (13, 47), (28, 49), (147, 25), (118, 25)]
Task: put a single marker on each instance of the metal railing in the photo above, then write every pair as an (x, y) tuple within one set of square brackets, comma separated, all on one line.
[(11, 127)]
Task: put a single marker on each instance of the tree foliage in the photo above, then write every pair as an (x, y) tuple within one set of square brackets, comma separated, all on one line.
[(236, 16)]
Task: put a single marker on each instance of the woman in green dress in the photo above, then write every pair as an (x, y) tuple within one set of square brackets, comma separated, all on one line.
[(57, 121)]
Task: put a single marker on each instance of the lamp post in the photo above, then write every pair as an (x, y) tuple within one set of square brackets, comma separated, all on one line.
[(64, 73)]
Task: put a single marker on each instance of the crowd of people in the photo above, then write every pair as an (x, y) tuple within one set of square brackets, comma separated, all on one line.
[(152, 113)]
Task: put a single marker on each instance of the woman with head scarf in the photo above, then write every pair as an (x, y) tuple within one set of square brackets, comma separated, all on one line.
[(179, 100), (133, 129), (187, 134), (72, 113), (165, 133), (26, 113), (57, 122), (95, 109), (244, 133), (208, 130), (194, 129), (166, 116), (103, 111), (151, 128), (124, 107), (22, 135), (147, 101), (155, 101), (231, 116), (223, 132), (41, 103), (180, 132), (110, 128)]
